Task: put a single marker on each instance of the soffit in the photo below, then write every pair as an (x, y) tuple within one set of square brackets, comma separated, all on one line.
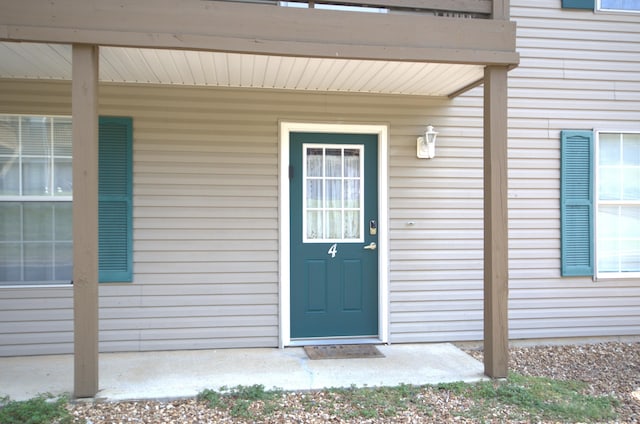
[(198, 68)]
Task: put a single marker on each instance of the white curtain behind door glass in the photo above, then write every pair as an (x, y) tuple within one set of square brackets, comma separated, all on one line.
[(314, 162), (333, 163), (351, 198), (314, 193), (314, 208), (351, 163), (332, 193)]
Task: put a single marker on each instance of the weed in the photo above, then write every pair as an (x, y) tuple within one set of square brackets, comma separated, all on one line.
[(379, 402), (526, 398), (211, 396), (457, 388), (249, 402), (255, 392), (240, 409), (42, 409), (536, 398), (556, 399)]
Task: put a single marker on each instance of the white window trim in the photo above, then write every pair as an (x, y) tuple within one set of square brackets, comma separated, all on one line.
[(602, 276), (285, 129)]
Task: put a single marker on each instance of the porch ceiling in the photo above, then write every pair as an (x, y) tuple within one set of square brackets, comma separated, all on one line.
[(200, 68)]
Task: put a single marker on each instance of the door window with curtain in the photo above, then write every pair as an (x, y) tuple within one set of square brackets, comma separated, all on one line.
[(35, 199), (332, 198)]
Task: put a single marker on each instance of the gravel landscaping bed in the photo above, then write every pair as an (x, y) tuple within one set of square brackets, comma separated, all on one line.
[(608, 369)]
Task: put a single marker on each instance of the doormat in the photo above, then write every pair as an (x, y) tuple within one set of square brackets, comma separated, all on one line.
[(343, 351)]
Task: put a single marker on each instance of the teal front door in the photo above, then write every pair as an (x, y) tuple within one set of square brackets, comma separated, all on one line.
[(334, 235)]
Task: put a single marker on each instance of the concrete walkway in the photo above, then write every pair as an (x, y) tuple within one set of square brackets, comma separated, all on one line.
[(178, 374)]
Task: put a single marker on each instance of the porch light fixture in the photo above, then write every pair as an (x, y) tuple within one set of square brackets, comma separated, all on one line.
[(426, 145)]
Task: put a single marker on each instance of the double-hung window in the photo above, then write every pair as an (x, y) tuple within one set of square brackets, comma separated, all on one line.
[(35, 199), (618, 204), (600, 204), (36, 242)]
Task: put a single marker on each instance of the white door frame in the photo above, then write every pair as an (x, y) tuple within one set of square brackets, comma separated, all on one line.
[(286, 128)]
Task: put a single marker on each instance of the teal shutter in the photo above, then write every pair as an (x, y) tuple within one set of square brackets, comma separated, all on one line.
[(576, 197), (115, 190), (578, 4)]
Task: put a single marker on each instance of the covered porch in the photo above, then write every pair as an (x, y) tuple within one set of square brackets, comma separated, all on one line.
[(254, 45), (183, 374)]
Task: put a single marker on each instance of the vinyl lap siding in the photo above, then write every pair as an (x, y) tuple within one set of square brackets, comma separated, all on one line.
[(579, 70), (206, 198), (206, 215), (205, 224), (436, 229), (205, 229), (206, 218), (36, 321)]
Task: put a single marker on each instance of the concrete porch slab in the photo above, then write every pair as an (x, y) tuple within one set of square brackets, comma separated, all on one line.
[(179, 374)]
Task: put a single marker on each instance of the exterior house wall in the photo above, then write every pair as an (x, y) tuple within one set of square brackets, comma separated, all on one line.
[(579, 70), (205, 211), (206, 201)]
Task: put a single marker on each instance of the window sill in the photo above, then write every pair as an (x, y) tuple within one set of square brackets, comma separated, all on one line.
[(616, 12), (35, 285), (603, 278)]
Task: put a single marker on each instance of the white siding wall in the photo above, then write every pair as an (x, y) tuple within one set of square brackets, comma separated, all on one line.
[(205, 223), (205, 213), (35, 320), (205, 201), (579, 70), (436, 229)]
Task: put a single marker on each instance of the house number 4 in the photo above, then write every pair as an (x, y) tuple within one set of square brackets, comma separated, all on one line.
[(333, 250)]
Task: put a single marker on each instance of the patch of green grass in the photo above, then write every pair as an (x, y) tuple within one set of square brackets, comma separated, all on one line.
[(521, 398), (255, 403), (249, 402), (212, 397), (379, 402), (536, 398), (42, 409), (255, 392), (457, 388)]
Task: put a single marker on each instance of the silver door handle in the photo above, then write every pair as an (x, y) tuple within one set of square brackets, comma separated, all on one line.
[(371, 246)]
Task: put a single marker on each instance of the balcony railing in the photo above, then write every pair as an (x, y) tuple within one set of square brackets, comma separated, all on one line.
[(476, 9)]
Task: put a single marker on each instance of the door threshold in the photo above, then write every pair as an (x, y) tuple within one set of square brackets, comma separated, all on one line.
[(333, 341)]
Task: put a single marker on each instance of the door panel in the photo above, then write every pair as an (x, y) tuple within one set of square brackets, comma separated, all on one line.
[(334, 197), (316, 293)]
